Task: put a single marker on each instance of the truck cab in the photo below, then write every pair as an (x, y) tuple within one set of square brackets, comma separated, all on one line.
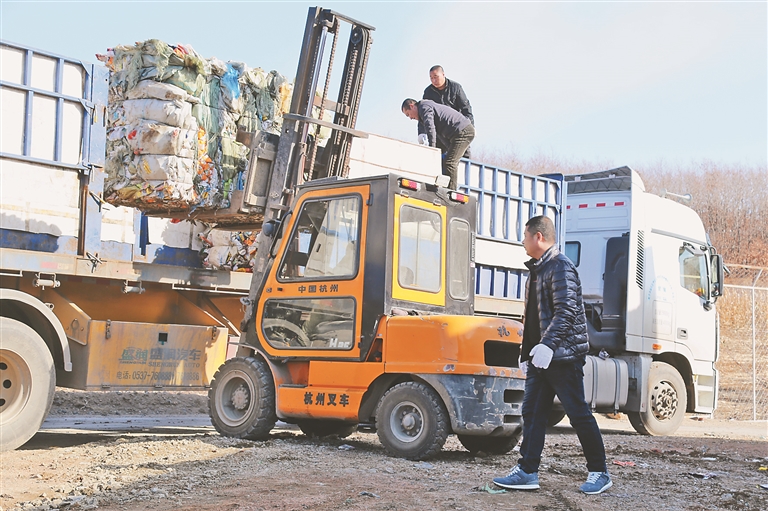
[(650, 278)]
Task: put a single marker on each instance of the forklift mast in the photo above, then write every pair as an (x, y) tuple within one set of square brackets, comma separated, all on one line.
[(296, 159)]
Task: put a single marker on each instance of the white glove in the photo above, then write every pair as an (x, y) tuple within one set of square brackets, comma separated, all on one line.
[(423, 140), (524, 367), (541, 356)]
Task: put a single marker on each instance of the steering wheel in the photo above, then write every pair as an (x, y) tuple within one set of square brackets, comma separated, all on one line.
[(299, 337)]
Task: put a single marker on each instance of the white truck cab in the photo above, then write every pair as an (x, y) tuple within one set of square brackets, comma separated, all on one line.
[(650, 279)]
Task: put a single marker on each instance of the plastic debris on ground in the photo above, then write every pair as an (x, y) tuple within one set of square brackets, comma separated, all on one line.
[(487, 488), (703, 475), (624, 463), (228, 250), (369, 494), (172, 124)]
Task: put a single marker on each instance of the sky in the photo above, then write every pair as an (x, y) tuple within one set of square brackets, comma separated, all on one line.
[(632, 83)]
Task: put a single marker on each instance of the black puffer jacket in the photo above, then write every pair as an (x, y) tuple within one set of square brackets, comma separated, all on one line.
[(561, 308), (453, 96)]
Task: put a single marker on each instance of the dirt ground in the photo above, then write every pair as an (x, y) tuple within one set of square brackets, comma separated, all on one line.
[(88, 456)]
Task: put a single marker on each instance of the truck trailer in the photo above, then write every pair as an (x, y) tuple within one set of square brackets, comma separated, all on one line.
[(92, 297)]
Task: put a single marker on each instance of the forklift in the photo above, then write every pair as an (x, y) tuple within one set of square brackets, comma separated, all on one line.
[(360, 312)]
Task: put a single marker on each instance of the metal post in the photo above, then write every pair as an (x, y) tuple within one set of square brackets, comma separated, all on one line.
[(754, 350)]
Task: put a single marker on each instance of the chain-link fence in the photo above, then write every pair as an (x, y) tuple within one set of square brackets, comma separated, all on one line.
[(743, 362)]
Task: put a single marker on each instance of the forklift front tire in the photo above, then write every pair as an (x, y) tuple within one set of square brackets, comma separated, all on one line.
[(241, 400), (411, 421)]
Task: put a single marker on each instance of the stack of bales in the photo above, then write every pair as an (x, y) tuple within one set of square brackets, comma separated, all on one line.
[(173, 118), (228, 250)]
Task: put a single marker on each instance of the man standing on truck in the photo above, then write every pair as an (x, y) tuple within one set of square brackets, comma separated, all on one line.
[(555, 345), (449, 93), (443, 123)]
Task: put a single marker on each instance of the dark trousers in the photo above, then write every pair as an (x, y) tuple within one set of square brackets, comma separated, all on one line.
[(566, 380), (455, 151)]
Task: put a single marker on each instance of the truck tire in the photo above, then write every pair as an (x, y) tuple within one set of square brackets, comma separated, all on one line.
[(318, 428), (667, 402), (27, 383), (241, 400), (490, 444), (411, 421)]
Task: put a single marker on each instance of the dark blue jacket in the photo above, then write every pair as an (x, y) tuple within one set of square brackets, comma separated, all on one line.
[(440, 122), (562, 320)]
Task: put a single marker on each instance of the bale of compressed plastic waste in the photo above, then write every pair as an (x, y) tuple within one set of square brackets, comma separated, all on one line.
[(173, 118), (228, 250)]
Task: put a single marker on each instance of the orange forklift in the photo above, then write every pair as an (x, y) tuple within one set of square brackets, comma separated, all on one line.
[(361, 306)]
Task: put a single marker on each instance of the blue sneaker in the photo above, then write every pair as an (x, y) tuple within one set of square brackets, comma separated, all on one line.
[(597, 482), (518, 479)]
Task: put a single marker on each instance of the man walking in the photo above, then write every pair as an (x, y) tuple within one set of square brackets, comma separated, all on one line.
[(444, 124), (449, 93), (555, 345)]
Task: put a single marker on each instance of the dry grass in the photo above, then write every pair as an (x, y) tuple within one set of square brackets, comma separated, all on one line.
[(743, 365)]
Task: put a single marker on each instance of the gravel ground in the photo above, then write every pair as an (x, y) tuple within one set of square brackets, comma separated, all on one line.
[(708, 464)]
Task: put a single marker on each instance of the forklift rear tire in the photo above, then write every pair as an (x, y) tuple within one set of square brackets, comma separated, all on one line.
[(667, 402), (490, 444), (27, 383), (317, 428), (411, 421), (241, 400), (555, 416)]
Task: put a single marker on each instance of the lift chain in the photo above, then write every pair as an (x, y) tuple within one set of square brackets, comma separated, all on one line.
[(311, 162)]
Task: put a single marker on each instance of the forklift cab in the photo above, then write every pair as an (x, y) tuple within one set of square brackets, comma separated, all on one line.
[(354, 251)]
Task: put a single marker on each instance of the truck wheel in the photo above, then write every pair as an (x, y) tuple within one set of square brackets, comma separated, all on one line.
[(555, 416), (490, 444), (317, 428), (667, 402), (27, 383), (412, 421), (241, 400)]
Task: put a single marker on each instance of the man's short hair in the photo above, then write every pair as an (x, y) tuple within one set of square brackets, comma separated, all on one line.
[(436, 68), (407, 104), (542, 224)]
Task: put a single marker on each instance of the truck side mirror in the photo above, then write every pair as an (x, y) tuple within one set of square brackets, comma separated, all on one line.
[(718, 275)]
